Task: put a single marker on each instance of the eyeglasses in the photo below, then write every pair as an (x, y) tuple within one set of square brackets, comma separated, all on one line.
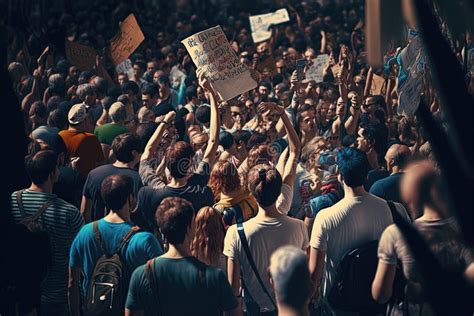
[(237, 114)]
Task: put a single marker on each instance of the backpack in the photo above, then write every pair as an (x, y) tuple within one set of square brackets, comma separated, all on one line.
[(109, 282), (351, 290), (39, 234)]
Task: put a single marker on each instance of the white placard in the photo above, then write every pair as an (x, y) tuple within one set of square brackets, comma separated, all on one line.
[(259, 24)]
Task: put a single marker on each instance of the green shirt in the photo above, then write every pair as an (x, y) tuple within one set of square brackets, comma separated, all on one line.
[(107, 132), (184, 286)]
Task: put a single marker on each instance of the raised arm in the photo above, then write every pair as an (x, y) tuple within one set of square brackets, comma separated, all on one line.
[(213, 143), (368, 82), (294, 146), (351, 122), (152, 144)]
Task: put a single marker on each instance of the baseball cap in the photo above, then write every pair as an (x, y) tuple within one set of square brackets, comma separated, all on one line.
[(78, 113)]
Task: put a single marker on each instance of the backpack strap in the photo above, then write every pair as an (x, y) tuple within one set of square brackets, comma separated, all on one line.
[(38, 213), (19, 201), (245, 246), (95, 227), (150, 275), (397, 218), (126, 239)]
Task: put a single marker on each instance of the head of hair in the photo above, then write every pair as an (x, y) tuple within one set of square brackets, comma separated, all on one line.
[(264, 182), (115, 191), (208, 242), (123, 146), (242, 136), (260, 154), (256, 139), (224, 178), (290, 274), (179, 159), (145, 130), (130, 86), (118, 112), (226, 140), (174, 217), (313, 147), (150, 89), (57, 118), (16, 70), (84, 90), (41, 165), (353, 166), (57, 85), (100, 85), (203, 114)]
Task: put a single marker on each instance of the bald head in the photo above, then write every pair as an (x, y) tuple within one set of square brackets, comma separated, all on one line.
[(397, 157)]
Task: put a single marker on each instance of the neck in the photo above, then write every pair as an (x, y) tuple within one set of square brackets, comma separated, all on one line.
[(46, 187), (120, 164), (176, 183), (269, 211), (286, 310), (396, 169), (430, 213), (118, 216), (353, 192), (178, 251)]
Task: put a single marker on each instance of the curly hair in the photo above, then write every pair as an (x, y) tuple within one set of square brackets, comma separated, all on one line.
[(208, 242), (224, 178), (261, 154)]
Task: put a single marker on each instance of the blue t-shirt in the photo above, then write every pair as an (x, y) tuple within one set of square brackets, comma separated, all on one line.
[(388, 188), (85, 249)]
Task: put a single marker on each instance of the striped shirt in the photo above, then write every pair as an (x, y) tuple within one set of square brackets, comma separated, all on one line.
[(62, 221)]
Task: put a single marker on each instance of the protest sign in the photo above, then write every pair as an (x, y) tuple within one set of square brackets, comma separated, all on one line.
[(315, 72), (81, 56), (210, 50), (125, 42), (259, 24), (377, 84), (125, 67)]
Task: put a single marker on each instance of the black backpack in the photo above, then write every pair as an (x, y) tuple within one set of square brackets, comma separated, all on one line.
[(109, 283), (351, 290)]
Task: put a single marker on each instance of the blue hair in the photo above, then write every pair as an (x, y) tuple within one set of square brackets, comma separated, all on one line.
[(353, 166)]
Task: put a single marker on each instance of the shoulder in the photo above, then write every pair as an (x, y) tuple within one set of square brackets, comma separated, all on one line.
[(390, 234), (58, 202)]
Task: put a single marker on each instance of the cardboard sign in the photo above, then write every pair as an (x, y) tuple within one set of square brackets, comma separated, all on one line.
[(81, 56), (315, 72), (377, 85), (259, 24), (211, 51), (126, 40)]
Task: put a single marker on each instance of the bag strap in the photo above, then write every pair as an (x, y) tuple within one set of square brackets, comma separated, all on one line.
[(38, 213), (150, 275), (19, 201), (126, 239), (95, 227), (245, 246), (397, 218)]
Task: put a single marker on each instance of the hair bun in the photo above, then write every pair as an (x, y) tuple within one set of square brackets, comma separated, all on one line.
[(262, 174)]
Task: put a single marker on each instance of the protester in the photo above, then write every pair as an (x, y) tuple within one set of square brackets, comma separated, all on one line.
[(164, 282), (106, 236)]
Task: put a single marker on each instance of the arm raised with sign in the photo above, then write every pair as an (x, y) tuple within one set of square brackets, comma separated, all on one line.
[(213, 143)]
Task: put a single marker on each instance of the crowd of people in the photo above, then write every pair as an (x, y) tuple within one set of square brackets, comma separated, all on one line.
[(154, 197)]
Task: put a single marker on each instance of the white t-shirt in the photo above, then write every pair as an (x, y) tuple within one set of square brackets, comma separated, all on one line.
[(263, 237), (348, 224)]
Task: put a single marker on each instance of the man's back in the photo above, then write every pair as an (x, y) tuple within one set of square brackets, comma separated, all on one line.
[(62, 221), (350, 223), (84, 145), (85, 250), (388, 188), (264, 237), (94, 180), (183, 286)]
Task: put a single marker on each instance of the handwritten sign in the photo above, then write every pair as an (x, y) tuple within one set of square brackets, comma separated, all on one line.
[(81, 56), (211, 51), (259, 24), (126, 40), (315, 72), (377, 85), (124, 67)]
